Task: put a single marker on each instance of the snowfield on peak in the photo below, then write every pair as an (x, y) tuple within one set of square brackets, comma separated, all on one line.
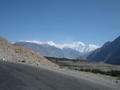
[(52, 49), (78, 46)]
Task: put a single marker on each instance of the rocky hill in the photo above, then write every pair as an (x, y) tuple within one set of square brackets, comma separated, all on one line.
[(14, 53), (109, 53)]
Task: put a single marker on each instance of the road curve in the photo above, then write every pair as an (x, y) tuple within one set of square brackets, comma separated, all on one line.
[(23, 77)]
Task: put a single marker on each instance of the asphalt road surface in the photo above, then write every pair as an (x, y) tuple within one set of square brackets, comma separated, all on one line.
[(23, 77)]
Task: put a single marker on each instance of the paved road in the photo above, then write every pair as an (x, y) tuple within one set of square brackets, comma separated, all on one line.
[(24, 77)]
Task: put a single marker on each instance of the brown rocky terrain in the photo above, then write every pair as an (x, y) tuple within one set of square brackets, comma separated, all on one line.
[(14, 53)]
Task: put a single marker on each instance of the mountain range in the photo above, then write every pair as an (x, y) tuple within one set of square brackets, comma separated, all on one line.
[(31, 51), (73, 50), (108, 53)]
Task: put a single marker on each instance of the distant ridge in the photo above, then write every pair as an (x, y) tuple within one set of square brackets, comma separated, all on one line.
[(73, 50)]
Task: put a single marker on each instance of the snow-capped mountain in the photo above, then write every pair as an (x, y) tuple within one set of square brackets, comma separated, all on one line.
[(72, 50)]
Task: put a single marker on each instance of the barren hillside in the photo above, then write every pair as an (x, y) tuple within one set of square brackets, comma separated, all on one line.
[(13, 53)]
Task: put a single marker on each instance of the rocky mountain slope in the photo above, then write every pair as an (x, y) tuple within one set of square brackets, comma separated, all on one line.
[(51, 49), (14, 53), (109, 53)]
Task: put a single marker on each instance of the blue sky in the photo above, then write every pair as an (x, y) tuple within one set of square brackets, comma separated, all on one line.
[(61, 21)]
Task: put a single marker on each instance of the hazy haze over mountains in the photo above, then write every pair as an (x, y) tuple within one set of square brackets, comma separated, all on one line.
[(51, 49)]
